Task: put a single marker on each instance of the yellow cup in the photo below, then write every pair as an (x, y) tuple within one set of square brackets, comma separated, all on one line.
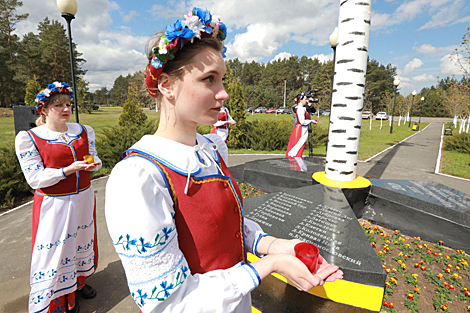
[(89, 158)]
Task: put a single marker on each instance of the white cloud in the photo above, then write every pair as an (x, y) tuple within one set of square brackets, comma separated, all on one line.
[(323, 57), (127, 18), (108, 53), (282, 55), (442, 13), (450, 65), (424, 78), (429, 49), (412, 65)]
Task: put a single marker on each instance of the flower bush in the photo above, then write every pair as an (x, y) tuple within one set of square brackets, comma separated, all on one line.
[(422, 276)]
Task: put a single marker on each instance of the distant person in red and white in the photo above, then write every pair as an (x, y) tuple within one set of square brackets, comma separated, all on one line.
[(221, 127), (299, 134)]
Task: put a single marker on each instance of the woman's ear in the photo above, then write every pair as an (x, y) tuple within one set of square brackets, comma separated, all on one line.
[(165, 86)]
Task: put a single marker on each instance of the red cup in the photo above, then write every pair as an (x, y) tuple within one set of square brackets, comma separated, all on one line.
[(308, 254)]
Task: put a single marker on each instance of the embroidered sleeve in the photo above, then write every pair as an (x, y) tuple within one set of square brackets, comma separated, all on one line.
[(253, 234), (92, 146), (32, 165), (229, 118), (139, 215)]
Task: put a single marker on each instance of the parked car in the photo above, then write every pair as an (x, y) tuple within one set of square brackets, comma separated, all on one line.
[(95, 106), (249, 110), (381, 116), (271, 110), (366, 115), (261, 110), (152, 107), (325, 113), (283, 110)]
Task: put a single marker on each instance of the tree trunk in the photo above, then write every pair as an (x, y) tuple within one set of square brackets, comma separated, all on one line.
[(349, 81)]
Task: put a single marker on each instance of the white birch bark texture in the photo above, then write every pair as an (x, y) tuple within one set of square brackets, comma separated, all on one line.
[(348, 90)]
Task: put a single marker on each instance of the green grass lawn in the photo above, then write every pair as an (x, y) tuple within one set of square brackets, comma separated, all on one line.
[(371, 142), (98, 119), (456, 163)]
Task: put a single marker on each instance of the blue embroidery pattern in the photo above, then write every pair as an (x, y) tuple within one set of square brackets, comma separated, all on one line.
[(141, 244), (62, 241), (161, 292)]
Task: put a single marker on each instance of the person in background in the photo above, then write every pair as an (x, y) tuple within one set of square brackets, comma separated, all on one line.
[(299, 134), (173, 210), (220, 127), (56, 158)]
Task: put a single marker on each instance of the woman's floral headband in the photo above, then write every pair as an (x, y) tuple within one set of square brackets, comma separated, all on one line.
[(197, 23), (52, 89)]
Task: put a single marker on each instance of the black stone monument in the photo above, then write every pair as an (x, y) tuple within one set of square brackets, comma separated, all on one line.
[(321, 215)]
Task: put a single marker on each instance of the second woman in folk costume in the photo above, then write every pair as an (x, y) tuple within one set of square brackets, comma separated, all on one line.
[(173, 210), (64, 247)]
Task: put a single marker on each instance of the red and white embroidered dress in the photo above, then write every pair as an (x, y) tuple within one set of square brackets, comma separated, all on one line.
[(63, 236)]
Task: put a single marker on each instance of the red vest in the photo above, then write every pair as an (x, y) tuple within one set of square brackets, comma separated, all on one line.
[(223, 116), (56, 154), (209, 219)]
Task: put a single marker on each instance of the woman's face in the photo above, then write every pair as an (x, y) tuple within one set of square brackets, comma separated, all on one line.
[(58, 112), (199, 93)]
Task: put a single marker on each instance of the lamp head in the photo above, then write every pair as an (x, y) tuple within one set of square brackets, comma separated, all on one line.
[(334, 38), (414, 93), (422, 98), (396, 82), (67, 6)]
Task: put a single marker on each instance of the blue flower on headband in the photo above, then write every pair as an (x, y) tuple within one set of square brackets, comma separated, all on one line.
[(178, 30), (205, 17), (222, 31)]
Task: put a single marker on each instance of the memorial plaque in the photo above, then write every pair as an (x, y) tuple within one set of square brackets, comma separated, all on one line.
[(319, 215), (274, 175), (421, 208)]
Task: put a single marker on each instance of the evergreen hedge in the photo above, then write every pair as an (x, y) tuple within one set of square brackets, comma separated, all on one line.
[(457, 142)]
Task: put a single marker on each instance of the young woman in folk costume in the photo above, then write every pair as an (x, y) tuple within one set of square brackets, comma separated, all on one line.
[(64, 247), (299, 134), (173, 210), (220, 127)]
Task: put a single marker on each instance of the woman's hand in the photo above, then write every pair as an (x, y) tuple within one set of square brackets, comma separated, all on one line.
[(79, 166)]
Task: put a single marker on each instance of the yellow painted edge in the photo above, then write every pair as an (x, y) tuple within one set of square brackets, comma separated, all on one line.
[(359, 182), (343, 291), (254, 310)]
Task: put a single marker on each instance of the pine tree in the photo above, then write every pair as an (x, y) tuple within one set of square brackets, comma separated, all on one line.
[(32, 89), (132, 112), (236, 105), (9, 49)]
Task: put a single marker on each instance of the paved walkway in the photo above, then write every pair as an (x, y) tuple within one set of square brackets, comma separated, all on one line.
[(413, 159)]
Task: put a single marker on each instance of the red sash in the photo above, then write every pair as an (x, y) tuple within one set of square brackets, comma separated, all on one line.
[(56, 154), (208, 219)]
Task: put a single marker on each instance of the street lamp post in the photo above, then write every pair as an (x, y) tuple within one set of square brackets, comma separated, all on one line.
[(396, 82), (68, 8), (420, 108), (411, 109)]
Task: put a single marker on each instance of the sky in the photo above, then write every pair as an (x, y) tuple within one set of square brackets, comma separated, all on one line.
[(416, 36)]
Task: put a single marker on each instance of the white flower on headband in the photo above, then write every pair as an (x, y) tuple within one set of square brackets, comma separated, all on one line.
[(194, 23)]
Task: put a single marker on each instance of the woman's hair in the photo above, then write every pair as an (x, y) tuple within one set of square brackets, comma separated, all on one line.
[(57, 98), (183, 57)]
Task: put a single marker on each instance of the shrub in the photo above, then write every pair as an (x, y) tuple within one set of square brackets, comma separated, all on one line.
[(457, 142), (13, 185), (269, 135), (114, 140)]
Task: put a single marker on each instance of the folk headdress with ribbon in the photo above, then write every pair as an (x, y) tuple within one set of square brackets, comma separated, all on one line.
[(52, 89), (197, 24)]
